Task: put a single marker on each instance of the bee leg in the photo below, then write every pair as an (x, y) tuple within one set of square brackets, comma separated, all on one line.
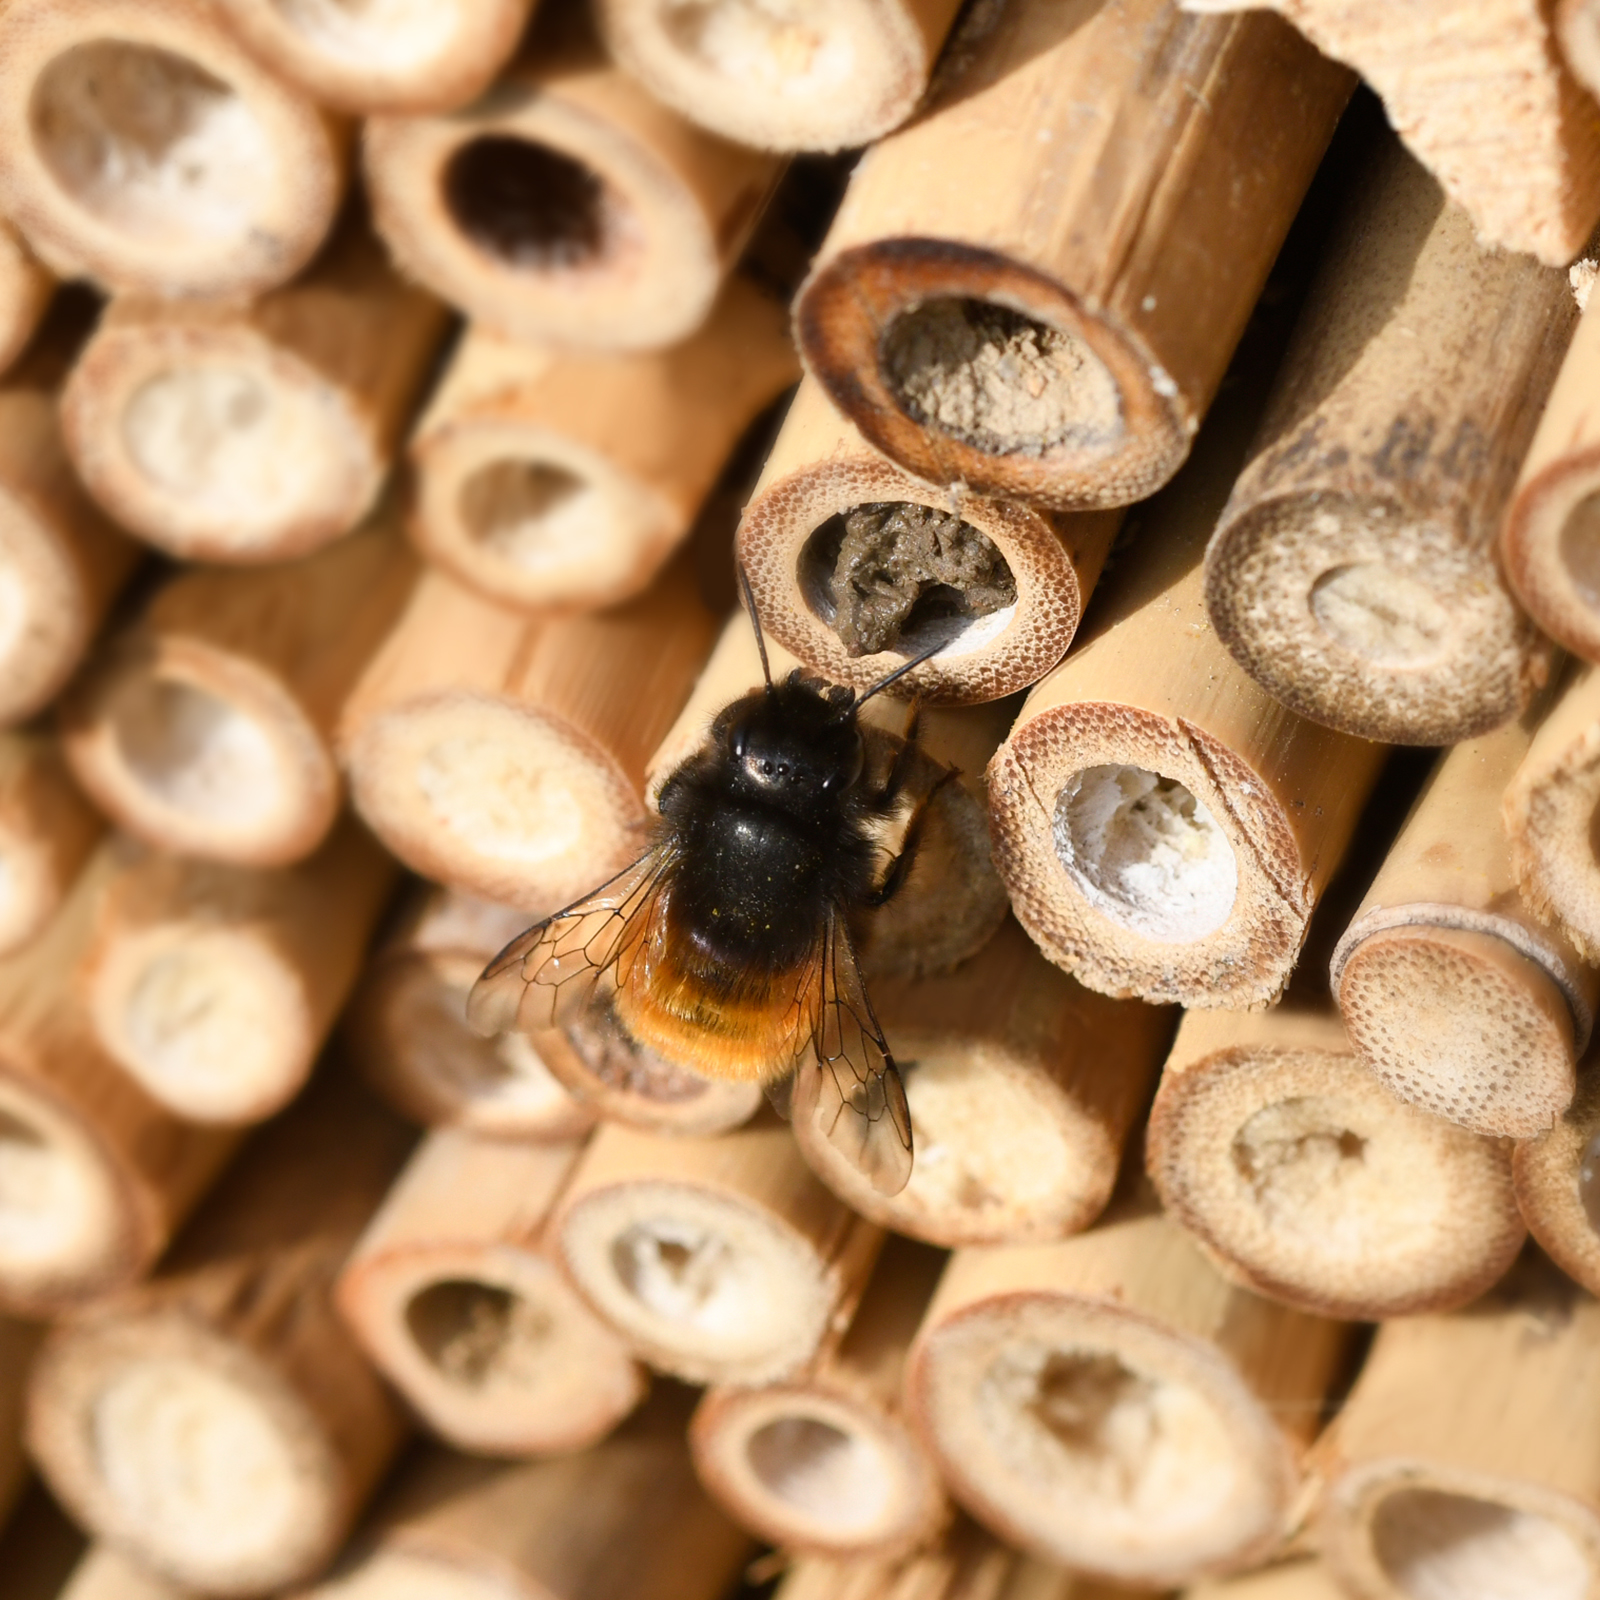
[(900, 864), (895, 782)]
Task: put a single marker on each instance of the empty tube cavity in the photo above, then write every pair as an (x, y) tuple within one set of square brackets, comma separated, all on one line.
[(531, 206), (529, 513), (840, 1478), (1580, 547), (478, 1335)]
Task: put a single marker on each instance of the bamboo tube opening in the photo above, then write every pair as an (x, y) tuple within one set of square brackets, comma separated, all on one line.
[(528, 513), (1558, 1185), (1580, 547), (821, 1463), (377, 35)]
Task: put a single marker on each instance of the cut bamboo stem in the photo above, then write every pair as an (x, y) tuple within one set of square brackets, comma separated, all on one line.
[(18, 1342), (566, 480), (1034, 289), (206, 727), (215, 986), (1558, 1184), (218, 1422), (25, 290), (253, 432), (719, 1260), (1306, 1181), (1111, 1403), (1460, 1463), (105, 1573), (47, 830), (505, 755), (141, 147), (454, 1293), (1353, 573)]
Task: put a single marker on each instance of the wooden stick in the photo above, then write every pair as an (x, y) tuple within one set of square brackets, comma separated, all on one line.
[(1111, 1403), (107, 1574), (719, 1260), (141, 147), (206, 727), (1353, 572), (259, 431), (1034, 289), (1023, 1088), (454, 1293), (1557, 1179), (1294, 1580), (1306, 1181), (215, 986), (1458, 1465), (406, 1027), (18, 1342), (217, 1422), (47, 830), (504, 754), (551, 480), (25, 291)]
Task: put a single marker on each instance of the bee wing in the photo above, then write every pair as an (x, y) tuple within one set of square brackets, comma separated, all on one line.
[(544, 977), (847, 1083)]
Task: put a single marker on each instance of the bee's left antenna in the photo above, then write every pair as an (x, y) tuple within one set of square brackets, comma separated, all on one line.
[(899, 672), (755, 622)]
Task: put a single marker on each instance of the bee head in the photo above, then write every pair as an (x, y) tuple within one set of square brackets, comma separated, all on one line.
[(797, 741)]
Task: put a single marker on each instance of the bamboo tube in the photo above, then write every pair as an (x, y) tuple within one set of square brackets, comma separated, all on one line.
[(719, 1260), (558, 480), (40, 1550), (1112, 1404), (1577, 25), (406, 1027), (259, 431), (1033, 290), (107, 1574), (47, 830), (505, 755), (568, 207), (18, 1342), (217, 1422), (1293, 1580), (215, 986), (1461, 1464), (25, 290), (1304, 1180), (141, 147), (1557, 1179), (206, 727)]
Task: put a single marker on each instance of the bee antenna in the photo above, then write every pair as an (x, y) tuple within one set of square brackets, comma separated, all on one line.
[(755, 622), (899, 672)]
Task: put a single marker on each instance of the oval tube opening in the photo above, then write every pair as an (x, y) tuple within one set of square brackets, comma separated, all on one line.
[(840, 1478), (528, 205)]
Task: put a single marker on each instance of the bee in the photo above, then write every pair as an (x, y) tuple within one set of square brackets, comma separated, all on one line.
[(726, 947)]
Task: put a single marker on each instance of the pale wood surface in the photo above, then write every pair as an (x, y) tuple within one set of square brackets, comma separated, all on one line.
[(25, 290), (47, 830)]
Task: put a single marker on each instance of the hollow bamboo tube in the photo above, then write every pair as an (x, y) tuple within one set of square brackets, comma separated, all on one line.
[(141, 147), (719, 1260), (215, 986), (566, 480), (1292, 1580), (206, 727), (1033, 289), (218, 1422), (18, 1342), (406, 1027), (1113, 1404), (1353, 572), (505, 755), (454, 1293), (1306, 1181), (568, 207), (25, 290), (1558, 1183), (247, 432), (105, 1573), (1460, 1464), (47, 830), (854, 595)]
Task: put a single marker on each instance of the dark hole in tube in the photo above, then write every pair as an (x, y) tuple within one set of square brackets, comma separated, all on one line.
[(526, 203)]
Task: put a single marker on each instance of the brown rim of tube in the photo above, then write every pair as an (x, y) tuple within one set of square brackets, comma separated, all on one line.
[(1558, 1184), (47, 830)]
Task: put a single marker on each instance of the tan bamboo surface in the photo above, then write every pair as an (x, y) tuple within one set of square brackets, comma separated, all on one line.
[(106, 1573), (505, 755), (25, 291), (1354, 570), (1023, 574), (1291, 1580), (569, 206), (1304, 1179), (627, 1518), (566, 479), (142, 147), (215, 986), (1462, 1462), (1023, 1087), (1034, 288), (253, 431), (218, 1422), (454, 1293), (719, 1260), (1577, 25), (47, 830), (406, 1026), (206, 727), (18, 1342), (1557, 1178), (1113, 1404)]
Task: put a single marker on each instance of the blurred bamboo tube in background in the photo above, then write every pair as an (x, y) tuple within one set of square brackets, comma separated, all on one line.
[(218, 1421), (215, 986), (1113, 1404), (18, 1342), (454, 1293), (719, 1260), (1558, 1184), (1292, 1580), (253, 432), (141, 147), (1023, 1088), (105, 1573), (505, 755), (856, 566), (47, 830), (25, 291), (566, 480), (206, 727), (1577, 24), (1034, 289), (1305, 1180)]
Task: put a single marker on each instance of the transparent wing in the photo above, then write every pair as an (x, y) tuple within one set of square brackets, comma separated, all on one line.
[(544, 977)]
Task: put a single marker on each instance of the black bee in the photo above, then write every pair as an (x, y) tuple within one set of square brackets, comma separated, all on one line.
[(726, 946)]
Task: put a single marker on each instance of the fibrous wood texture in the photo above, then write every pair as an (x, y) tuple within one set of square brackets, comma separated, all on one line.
[(47, 830)]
